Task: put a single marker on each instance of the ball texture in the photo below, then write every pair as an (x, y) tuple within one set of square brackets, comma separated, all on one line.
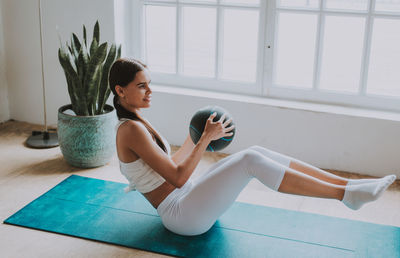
[(198, 123)]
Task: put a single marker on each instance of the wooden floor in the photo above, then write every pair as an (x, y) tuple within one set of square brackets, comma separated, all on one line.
[(27, 173)]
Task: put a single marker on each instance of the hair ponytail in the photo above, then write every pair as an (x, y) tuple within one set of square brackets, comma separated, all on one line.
[(122, 72)]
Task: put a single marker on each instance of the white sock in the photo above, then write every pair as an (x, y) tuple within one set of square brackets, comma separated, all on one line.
[(366, 180), (356, 196)]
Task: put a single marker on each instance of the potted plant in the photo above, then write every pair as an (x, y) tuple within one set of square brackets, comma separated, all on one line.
[(86, 126)]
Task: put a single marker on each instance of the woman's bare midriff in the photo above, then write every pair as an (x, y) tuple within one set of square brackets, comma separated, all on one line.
[(158, 195)]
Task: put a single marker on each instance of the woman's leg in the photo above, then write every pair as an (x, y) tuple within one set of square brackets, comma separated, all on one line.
[(292, 163), (355, 192), (301, 166), (214, 193)]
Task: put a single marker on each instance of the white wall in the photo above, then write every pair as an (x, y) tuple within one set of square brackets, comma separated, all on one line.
[(59, 13), (21, 35), (343, 139), (4, 110), (21, 31)]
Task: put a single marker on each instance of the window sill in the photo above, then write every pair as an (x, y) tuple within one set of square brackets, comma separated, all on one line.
[(278, 103)]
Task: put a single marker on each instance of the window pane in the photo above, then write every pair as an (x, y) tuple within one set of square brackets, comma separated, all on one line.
[(388, 6), (199, 38), (342, 53), (160, 26), (298, 3), (359, 5), (244, 2), (239, 52), (295, 49), (198, 1), (384, 75)]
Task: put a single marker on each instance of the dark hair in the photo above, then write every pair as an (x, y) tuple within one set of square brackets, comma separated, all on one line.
[(122, 72)]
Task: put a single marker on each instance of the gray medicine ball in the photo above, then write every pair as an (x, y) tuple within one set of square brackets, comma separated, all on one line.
[(198, 123)]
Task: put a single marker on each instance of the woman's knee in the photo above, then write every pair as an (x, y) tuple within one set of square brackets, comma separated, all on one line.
[(276, 156), (256, 147), (251, 155), (265, 152), (260, 149)]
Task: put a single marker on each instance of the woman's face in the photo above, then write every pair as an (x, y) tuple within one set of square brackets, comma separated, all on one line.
[(137, 94)]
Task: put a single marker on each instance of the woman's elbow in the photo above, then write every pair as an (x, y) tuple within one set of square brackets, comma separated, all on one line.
[(181, 179), (179, 185)]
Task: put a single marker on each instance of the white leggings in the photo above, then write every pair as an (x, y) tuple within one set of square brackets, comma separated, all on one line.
[(194, 208)]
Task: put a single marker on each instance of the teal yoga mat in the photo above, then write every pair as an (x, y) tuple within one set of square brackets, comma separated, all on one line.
[(100, 210)]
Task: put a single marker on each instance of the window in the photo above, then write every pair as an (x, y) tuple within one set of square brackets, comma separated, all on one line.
[(343, 52), (206, 44)]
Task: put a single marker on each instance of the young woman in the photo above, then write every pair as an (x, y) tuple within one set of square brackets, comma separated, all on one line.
[(190, 207)]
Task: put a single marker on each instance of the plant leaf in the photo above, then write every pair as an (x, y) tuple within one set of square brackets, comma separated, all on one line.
[(104, 85), (119, 52), (94, 90), (84, 35), (95, 62), (75, 84), (85, 63), (75, 52), (81, 65), (93, 47), (77, 43), (96, 31), (70, 49)]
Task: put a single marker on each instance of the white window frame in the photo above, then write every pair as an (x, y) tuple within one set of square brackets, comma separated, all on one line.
[(204, 83), (319, 95), (264, 86)]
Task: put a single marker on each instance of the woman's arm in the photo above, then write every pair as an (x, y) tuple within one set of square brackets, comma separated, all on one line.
[(139, 140), (212, 131), (183, 151)]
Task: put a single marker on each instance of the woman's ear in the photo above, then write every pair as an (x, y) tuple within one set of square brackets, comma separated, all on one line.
[(119, 90)]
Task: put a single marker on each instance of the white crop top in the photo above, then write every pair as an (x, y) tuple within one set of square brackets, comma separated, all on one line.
[(141, 176)]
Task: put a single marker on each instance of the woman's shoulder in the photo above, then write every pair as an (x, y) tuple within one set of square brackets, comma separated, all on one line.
[(134, 129), (131, 126)]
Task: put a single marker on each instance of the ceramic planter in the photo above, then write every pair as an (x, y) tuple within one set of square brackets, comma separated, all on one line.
[(87, 141)]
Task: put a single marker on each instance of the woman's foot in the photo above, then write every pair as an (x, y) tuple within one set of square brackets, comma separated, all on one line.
[(366, 180), (356, 195)]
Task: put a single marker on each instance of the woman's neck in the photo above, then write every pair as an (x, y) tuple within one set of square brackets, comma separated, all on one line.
[(130, 109)]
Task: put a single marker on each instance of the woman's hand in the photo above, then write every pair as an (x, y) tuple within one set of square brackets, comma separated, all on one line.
[(218, 129)]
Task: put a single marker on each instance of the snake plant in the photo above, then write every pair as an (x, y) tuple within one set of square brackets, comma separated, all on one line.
[(86, 70)]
